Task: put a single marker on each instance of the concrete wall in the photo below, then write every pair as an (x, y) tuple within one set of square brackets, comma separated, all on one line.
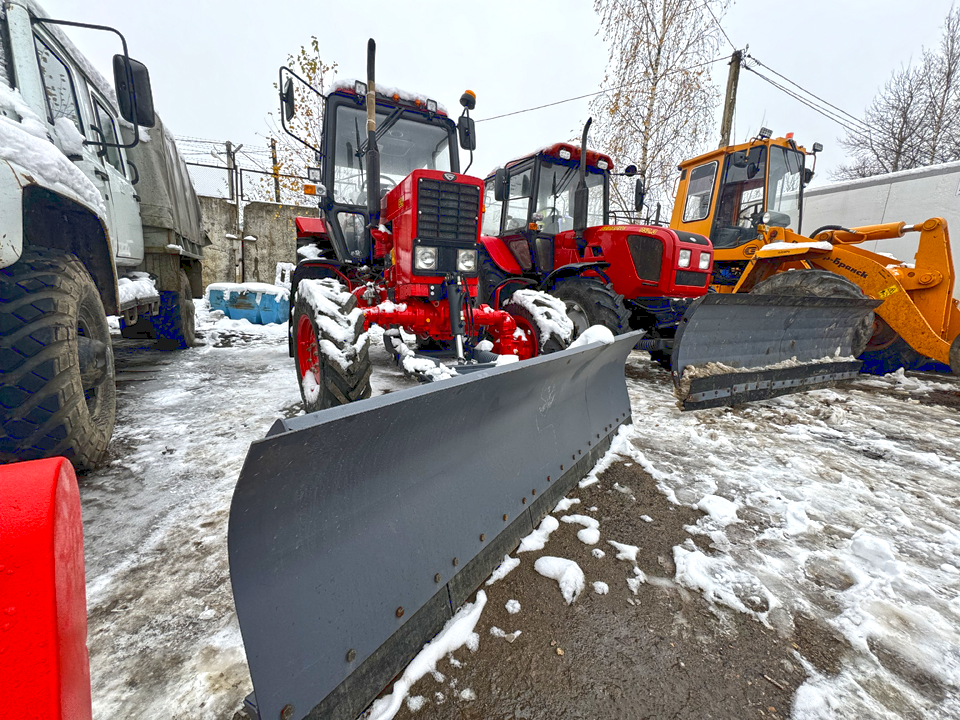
[(218, 218), (911, 196), (272, 224)]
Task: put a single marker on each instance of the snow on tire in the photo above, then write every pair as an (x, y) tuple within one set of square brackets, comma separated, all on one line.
[(545, 316), (58, 393), (332, 351)]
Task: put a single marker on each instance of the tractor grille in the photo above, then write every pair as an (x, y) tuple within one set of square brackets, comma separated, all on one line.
[(447, 211), (647, 254), (691, 279)]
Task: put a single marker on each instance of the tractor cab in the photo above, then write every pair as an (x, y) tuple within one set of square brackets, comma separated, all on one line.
[(530, 201), (726, 194)]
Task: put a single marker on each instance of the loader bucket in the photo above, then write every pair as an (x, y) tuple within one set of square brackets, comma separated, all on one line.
[(771, 344), (356, 532)]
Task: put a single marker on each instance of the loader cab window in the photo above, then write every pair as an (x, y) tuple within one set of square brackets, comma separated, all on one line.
[(741, 198), (700, 192), (518, 201), (784, 183), (406, 143), (58, 84), (492, 211), (556, 186)]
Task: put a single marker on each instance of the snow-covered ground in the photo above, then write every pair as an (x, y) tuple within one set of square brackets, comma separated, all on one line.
[(840, 506)]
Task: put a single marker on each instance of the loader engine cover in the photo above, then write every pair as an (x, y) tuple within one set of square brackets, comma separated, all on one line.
[(356, 532)]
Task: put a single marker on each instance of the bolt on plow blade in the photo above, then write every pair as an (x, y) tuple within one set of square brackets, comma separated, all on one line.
[(737, 348), (356, 532)]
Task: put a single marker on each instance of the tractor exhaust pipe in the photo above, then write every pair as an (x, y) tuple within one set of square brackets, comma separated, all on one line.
[(581, 196), (373, 152)]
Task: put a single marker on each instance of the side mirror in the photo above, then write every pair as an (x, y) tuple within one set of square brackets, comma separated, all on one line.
[(739, 159), (500, 184), (630, 170), (807, 176), (639, 193), (581, 198), (134, 95), (752, 170), (466, 129), (287, 100)]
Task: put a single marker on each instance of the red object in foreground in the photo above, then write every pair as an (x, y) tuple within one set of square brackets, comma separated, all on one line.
[(44, 666)]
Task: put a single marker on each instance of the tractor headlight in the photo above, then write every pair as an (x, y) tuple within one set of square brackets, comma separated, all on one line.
[(704, 260), (766, 218), (684, 259), (431, 106), (425, 258), (466, 260)]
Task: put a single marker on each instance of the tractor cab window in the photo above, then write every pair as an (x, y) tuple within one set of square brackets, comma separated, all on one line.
[(700, 192), (518, 201), (406, 144), (783, 184), (554, 206), (741, 198), (492, 211)]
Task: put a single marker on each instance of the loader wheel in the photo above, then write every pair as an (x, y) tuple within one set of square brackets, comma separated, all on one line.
[(887, 352), (175, 324), (332, 350), (538, 344), (58, 393), (591, 302), (819, 283)]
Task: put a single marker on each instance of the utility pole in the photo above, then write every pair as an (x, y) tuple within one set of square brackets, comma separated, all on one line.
[(730, 99), (276, 170)]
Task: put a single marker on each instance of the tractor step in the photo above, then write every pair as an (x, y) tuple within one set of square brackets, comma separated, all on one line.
[(356, 532)]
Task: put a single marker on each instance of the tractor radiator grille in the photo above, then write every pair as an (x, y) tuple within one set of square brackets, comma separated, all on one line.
[(691, 279), (647, 254), (447, 211)]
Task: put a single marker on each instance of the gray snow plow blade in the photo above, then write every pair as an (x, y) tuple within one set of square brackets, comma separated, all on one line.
[(747, 331), (356, 532)]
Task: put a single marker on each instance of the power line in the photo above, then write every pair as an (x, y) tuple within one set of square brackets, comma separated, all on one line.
[(598, 92), (719, 26)]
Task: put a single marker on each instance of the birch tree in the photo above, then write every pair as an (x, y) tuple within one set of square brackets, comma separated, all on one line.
[(660, 102)]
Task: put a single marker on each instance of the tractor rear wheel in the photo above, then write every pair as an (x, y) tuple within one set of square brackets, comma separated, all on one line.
[(819, 283), (535, 312), (591, 302), (331, 349), (58, 393)]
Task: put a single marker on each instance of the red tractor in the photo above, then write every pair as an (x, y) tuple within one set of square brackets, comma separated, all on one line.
[(547, 226), (397, 246)]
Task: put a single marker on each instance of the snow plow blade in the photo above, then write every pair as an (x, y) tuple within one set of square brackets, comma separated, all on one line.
[(751, 333), (356, 532)]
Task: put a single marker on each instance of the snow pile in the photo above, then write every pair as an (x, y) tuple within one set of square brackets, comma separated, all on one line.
[(458, 631), (625, 552), (327, 298), (25, 144), (423, 367), (69, 137), (567, 573), (590, 535), (594, 334), (814, 245), (549, 314), (720, 509), (598, 553), (565, 504), (512, 606), (537, 540), (284, 274), (503, 569), (310, 252), (137, 287), (601, 588)]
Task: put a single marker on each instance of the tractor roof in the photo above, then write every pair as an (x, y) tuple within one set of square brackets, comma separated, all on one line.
[(554, 151), (418, 101)]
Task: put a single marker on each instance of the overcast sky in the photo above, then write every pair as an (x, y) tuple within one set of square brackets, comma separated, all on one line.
[(213, 64)]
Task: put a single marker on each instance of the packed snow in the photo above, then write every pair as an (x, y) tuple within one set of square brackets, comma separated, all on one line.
[(503, 569), (512, 606), (338, 342), (548, 312), (537, 540), (817, 245), (137, 287), (567, 573), (565, 504), (590, 535), (594, 334), (600, 588)]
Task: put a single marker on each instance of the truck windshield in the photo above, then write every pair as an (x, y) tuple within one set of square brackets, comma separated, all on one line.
[(555, 191), (406, 145), (783, 183)]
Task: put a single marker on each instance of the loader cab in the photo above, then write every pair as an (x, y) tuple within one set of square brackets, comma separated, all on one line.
[(535, 198), (413, 133)]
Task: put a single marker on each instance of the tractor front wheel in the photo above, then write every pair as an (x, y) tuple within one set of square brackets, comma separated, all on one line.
[(332, 351), (543, 320), (590, 302)]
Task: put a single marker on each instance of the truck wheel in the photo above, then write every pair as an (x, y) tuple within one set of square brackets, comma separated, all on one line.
[(58, 393), (175, 325), (591, 302), (332, 352), (526, 305), (819, 283)]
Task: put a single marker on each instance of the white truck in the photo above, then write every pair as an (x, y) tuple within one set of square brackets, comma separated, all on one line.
[(97, 217)]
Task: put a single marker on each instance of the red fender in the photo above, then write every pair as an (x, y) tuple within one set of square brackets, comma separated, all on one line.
[(310, 227), (44, 666), (501, 255)]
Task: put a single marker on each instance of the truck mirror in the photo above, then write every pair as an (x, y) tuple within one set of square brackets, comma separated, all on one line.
[(739, 159), (639, 193), (287, 100), (466, 129), (630, 170), (500, 184), (134, 95), (807, 176)]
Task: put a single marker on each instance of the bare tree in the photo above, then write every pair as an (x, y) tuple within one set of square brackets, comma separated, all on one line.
[(915, 119), (659, 108)]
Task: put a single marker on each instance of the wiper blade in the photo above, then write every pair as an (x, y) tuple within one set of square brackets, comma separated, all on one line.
[(383, 127)]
